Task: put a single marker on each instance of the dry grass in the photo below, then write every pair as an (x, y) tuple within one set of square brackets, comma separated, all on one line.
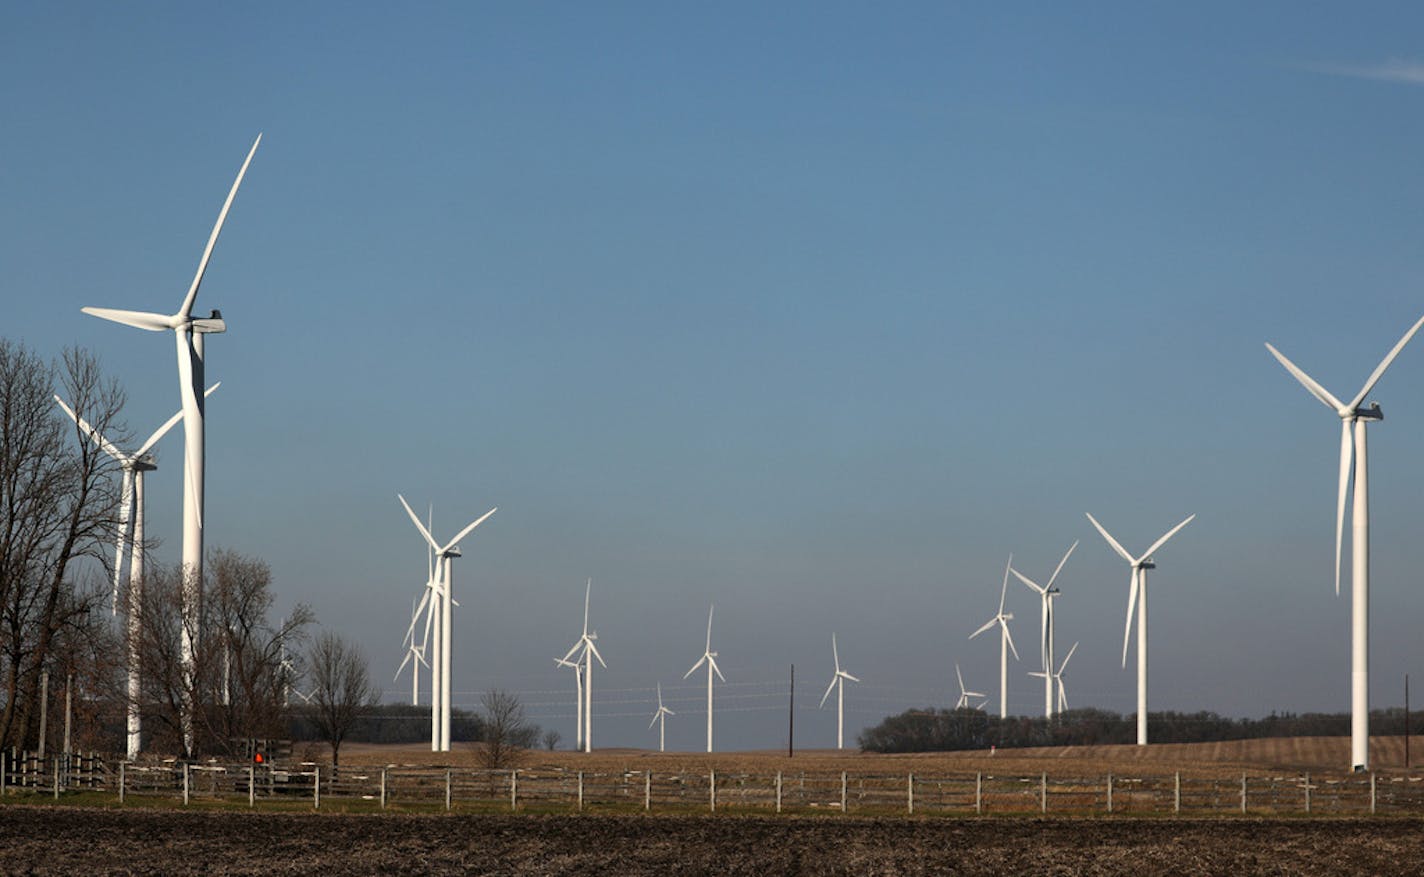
[(1206, 760)]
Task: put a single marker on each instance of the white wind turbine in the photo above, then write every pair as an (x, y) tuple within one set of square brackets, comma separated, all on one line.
[(709, 657), (1353, 419), (1137, 594), (189, 332), (1046, 593), (1058, 677), (965, 694), (1006, 642), (838, 681), (130, 544), (578, 699), (414, 654), (660, 719), (587, 651), (440, 668)]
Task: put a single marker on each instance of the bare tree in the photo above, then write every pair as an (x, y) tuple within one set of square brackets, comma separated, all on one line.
[(238, 675), (343, 688), (58, 506), (507, 733), (551, 739)]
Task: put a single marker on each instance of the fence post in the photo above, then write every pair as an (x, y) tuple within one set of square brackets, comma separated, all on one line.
[(383, 788), (910, 793), (778, 791), (647, 790), (185, 784), (447, 788), (1109, 793), (2, 773), (1243, 792), (121, 782), (580, 791), (979, 792), (1372, 793), (712, 788), (56, 778), (1307, 793), (1043, 793), (1177, 792), (513, 790), (843, 792), (316, 789), (251, 786)]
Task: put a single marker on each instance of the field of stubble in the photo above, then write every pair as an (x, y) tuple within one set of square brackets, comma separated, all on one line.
[(54, 840)]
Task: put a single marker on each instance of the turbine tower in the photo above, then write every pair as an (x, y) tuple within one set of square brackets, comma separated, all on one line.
[(965, 694), (1006, 642), (1046, 593), (578, 699), (587, 651), (1137, 593), (660, 719), (1353, 420), (709, 658), (838, 681), (189, 332), (445, 554), (130, 543)]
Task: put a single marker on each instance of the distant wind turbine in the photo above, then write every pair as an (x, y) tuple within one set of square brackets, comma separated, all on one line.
[(1006, 642), (965, 694), (1058, 677), (1353, 419), (709, 658), (660, 719), (1047, 593), (586, 651), (838, 681), (1137, 593), (131, 517)]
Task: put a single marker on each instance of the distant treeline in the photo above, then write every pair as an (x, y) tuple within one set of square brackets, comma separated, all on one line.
[(398, 723), (934, 730)]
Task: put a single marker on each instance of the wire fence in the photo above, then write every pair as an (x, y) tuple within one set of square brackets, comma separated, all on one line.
[(91, 779)]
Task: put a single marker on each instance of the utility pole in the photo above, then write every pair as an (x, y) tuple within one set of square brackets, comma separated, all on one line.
[(791, 718)]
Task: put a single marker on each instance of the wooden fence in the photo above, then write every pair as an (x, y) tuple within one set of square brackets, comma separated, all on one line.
[(544, 790)]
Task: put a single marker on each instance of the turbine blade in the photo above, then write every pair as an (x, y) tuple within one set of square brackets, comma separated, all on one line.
[(192, 412), (960, 676), (829, 689), (104, 444), (402, 666), (845, 675), (1062, 696), (1347, 448), (1066, 659), (1131, 604), (167, 425), (415, 616), (418, 525), (694, 667), (137, 319), (1004, 591), (1168, 535), (593, 648), (1028, 581), (187, 309), (1111, 541), (473, 524), (1043, 634), (587, 591), (1008, 636), (988, 624), (1307, 381), (835, 653), (715, 669), (656, 716), (126, 503), (1384, 364), (1059, 568), (710, 610)]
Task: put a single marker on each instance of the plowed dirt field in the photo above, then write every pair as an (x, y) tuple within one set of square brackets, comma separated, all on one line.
[(56, 840)]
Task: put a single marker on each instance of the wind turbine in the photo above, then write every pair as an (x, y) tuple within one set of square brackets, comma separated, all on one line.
[(965, 694), (1353, 419), (709, 657), (1046, 593), (1058, 677), (189, 332), (660, 719), (440, 699), (588, 652), (130, 542), (1137, 593), (1006, 642), (415, 654), (838, 681)]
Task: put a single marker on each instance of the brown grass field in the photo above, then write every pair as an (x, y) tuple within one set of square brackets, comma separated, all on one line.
[(230, 840)]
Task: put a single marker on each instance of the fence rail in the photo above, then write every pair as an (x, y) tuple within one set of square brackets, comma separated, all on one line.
[(550, 789)]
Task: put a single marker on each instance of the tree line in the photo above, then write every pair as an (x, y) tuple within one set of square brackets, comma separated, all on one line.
[(936, 730)]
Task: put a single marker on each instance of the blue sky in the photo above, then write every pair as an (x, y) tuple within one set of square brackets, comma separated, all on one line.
[(815, 311)]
